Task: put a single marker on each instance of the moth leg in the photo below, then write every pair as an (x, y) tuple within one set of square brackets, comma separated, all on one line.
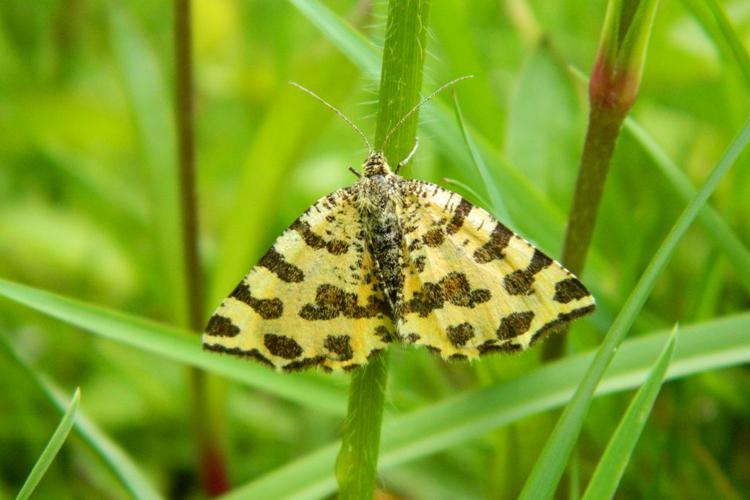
[(408, 157), (356, 174)]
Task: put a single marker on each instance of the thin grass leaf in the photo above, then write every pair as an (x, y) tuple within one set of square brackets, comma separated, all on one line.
[(118, 462), (722, 33), (178, 345), (343, 35), (468, 189), (150, 103), (549, 467), (53, 446), (737, 46), (703, 347), (498, 208), (614, 461)]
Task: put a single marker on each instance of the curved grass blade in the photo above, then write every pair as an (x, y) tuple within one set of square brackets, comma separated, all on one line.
[(499, 210), (615, 459), (703, 347), (344, 36), (121, 465), (178, 345), (549, 467), (53, 446)]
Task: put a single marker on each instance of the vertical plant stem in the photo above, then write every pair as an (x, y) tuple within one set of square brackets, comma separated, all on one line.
[(211, 461), (601, 136), (613, 88), (400, 85)]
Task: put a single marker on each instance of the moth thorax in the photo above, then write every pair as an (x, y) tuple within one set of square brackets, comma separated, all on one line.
[(375, 164)]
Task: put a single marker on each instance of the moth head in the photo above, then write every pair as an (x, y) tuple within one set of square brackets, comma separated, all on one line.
[(375, 164)]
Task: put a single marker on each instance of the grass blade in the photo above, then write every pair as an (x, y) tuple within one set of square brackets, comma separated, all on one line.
[(615, 459), (703, 347), (499, 210), (121, 465), (150, 103), (53, 446), (546, 473), (178, 345), (349, 40)]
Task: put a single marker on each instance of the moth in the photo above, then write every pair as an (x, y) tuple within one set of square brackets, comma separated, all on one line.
[(390, 259)]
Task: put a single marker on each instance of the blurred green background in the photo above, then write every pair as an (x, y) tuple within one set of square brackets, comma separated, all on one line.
[(87, 190)]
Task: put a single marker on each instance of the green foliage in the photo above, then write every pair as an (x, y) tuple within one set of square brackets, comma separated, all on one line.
[(89, 197), (53, 446)]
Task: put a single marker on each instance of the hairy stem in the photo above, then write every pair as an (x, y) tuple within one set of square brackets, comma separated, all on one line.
[(400, 85)]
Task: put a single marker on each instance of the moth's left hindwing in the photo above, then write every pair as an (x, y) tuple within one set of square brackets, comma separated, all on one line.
[(312, 300), (471, 285)]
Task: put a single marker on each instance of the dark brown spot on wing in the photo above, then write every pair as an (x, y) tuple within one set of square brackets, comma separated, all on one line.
[(303, 364), (236, 351), (282, 346), (330, 301), (493, 249), (457, 357), (462, 211), (514, 324), (411, 338), (275, 262), (266, 308), (558, 323), (221, 326), (460, 334), (492, 346), (569, 289), (519, 282), (339, 345), (334, 246), (384, 334), (433, 237), (453, 288), (337, 247), (539, 261)]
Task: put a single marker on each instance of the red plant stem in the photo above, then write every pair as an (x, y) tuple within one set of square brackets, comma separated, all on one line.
[(211, 462)]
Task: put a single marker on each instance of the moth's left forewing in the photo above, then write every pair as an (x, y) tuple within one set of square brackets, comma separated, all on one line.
[(472, 286)]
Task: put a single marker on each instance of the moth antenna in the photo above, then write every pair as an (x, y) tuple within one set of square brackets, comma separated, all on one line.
[(335, 110), (419, 105)]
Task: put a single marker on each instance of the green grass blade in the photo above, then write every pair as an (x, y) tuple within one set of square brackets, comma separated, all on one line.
[(549, 467), (178, 345), (499, 210), (150, 102), (53, 446), (702, 347), (616, 457), (349, 40), (710, 220), (121, 465)]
